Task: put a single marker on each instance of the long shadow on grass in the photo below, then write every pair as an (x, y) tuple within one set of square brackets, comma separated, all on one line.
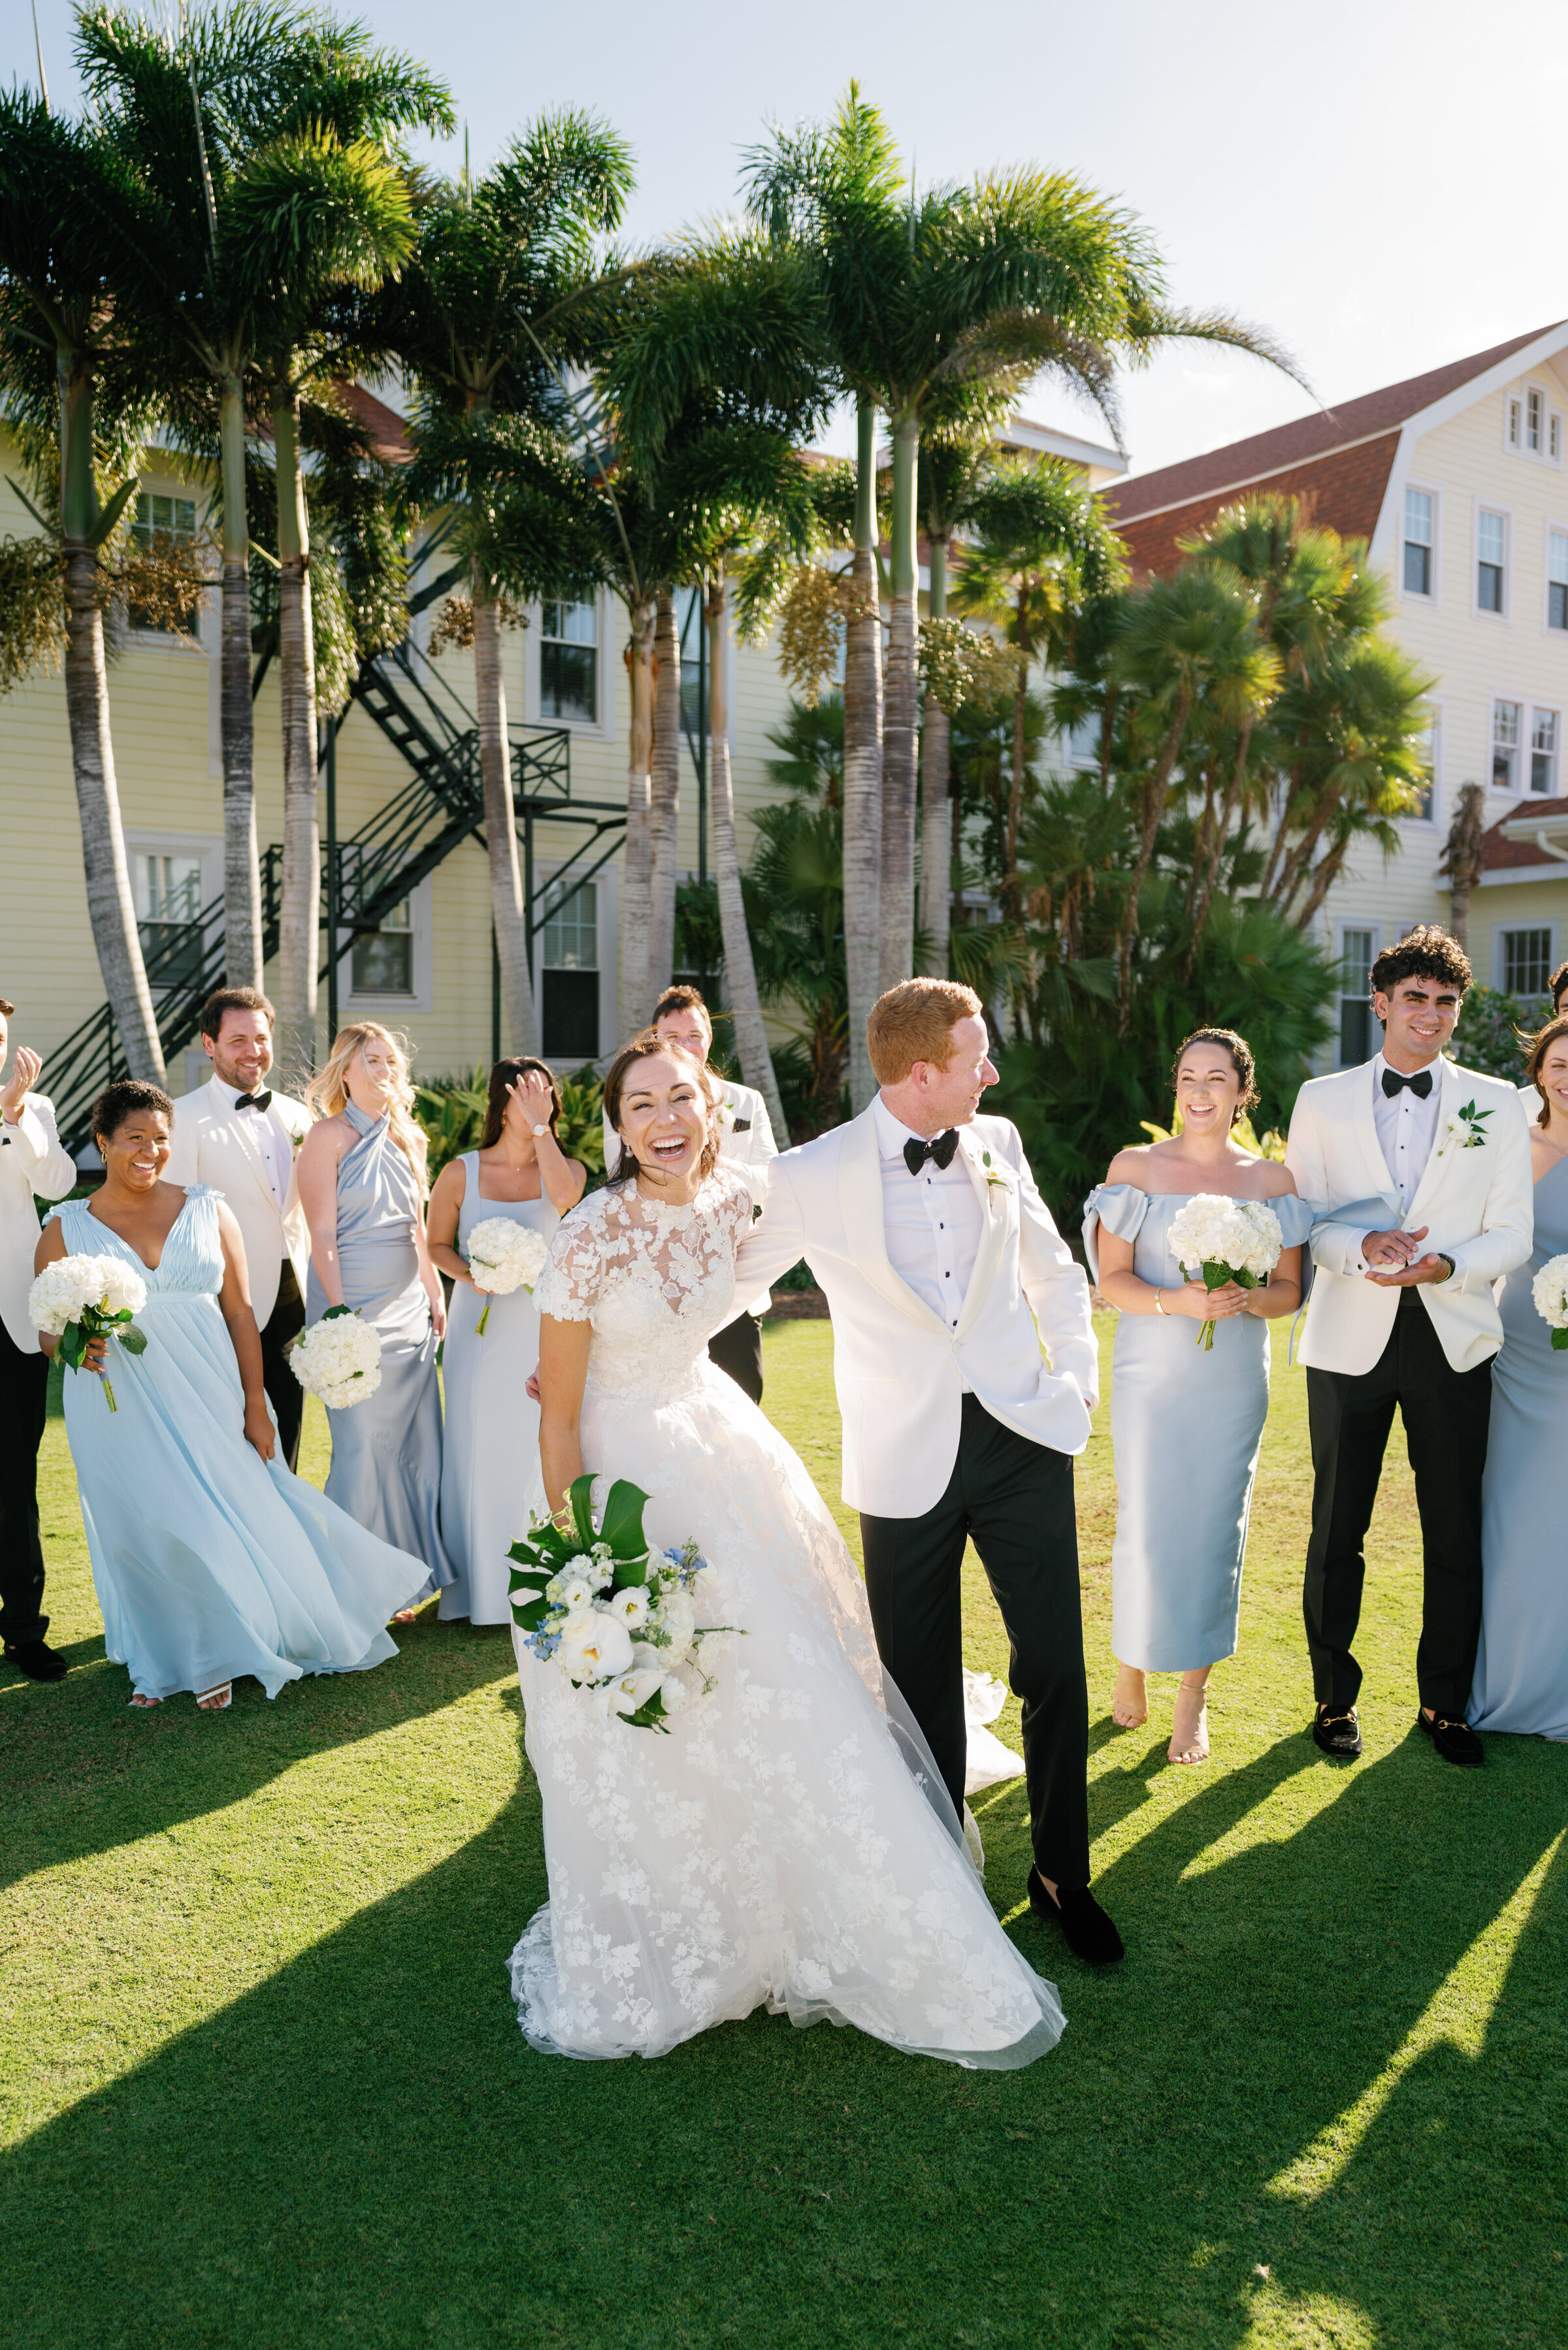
[(364, 2149), (84, 1771)]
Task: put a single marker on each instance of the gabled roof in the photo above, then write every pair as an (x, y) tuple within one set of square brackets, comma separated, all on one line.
[(388, 433), (1499, 850)]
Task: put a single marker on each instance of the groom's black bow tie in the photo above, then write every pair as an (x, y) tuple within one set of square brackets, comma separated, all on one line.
[(255, 1101), (941, 1148), (1420, 1085)]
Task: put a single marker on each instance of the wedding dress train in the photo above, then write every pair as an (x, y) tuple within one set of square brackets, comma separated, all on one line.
[(789, 1843)]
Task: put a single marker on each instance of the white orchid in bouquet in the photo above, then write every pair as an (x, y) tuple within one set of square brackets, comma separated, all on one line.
[(503, 1256), (1550, 1291), (79, 1298), (338, 1359), (618, 1618), (1226, 1240)]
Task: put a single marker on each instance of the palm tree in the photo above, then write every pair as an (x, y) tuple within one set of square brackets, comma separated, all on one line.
[(499, 298), (57, 179), (1462, 861)]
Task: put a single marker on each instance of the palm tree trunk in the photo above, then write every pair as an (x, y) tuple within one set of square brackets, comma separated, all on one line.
[(300, 922), (242, 870), (740, 971), (519, 1028), (664, 797), (863, 768), (936, 819), (1154, 798), (111, 911), (1301, 854), (1016, 787), (1217, 852), (637, 873), (1323, 879), (895, 937)]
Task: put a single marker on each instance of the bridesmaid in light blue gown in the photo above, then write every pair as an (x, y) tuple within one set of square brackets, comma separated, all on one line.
[(1522, 1665), (210, 1559), (1186, 1424), (362, 1186), (490, 1466)]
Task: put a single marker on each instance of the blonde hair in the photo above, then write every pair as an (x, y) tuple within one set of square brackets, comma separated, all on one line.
[(915, 1021), (328, 1090)]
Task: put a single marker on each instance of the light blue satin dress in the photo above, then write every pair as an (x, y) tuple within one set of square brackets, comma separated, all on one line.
[(1522, 1665), (491, 1463), (1185, 1426), (209, 1564), (386, 1451)]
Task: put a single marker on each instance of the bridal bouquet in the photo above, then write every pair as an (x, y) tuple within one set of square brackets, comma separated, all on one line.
[(1226, 1240), (1550, 1291), (81, 1298), (617, 1618), (503, 1256), (338, 1359)]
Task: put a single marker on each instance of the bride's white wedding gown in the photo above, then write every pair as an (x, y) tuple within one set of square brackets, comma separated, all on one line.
[(789, 1844)]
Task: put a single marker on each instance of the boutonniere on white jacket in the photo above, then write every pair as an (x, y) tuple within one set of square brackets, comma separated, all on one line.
[(995, 1180), (1465, 1132)]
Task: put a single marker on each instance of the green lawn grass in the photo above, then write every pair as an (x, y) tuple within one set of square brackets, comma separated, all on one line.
[(262, 2084)]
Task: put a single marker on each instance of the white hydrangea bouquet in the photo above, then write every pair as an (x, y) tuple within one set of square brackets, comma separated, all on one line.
[(1550, 1290), (80, 1298), (338, 1359), (619, 1618), (503, 1256), (1226, 1240)]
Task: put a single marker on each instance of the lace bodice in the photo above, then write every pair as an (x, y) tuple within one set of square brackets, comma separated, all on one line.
[(655, 1282)]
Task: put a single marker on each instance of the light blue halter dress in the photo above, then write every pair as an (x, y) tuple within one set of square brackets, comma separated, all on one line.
[(209, 1564), (1185, 1426)]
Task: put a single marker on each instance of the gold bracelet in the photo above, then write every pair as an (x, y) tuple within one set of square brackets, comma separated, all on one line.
[(1159, 1308)]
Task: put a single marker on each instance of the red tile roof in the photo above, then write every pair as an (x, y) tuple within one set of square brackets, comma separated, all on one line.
[(1343, 491), (388, 433), (1497, 850)]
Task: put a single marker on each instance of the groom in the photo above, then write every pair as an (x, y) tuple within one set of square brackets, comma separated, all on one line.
[(966, 1370), (1418, 1174)]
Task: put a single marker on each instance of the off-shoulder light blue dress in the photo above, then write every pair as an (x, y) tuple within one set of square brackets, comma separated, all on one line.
[(1522, 1665), (490, 1462), (386, 1451), (209, 1562), (1186, 1425)]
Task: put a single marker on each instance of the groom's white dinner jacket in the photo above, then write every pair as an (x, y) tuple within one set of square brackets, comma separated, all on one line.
[(33, 1163), (1475, 1198), (899, 1369), (214, 1142)]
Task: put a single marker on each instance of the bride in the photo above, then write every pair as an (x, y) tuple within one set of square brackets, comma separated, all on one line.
[(790, 1843)]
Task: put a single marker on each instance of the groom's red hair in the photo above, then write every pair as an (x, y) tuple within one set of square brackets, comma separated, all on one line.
[(915, 1021)]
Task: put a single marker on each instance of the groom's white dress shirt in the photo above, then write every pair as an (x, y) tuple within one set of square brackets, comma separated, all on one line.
[(931, 1220), (272, 1138), (248, 1155)]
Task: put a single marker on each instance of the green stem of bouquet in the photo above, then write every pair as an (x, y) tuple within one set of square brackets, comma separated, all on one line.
[(479, 1328)]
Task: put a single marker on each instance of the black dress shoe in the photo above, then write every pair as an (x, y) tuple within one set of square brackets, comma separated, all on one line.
[(1456, 1741), (39, 1663), (1338, 1735), (1090, 1933)]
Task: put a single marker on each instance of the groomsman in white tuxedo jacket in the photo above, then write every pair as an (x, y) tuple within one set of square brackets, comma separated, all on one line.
[(966, 1368), (243, 1136), (33, 1166), (1417, 1172)]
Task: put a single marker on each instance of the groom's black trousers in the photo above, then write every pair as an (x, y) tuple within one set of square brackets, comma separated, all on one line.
[(1014, 1499), (1446, 1414)]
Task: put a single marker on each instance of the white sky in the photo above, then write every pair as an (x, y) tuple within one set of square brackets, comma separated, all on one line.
[(1376, 181)]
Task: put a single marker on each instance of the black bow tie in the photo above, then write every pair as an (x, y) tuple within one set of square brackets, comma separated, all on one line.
[(255, 1101), (1420, 1083), (941, 1148)]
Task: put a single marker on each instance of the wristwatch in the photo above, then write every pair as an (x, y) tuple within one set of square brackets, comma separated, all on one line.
[(542, 1129)]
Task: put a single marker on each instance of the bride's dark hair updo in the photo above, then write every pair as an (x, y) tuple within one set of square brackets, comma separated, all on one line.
[(1242, 1061), (647, 1047)]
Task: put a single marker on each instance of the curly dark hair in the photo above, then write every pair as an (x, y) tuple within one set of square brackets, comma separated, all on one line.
[(117, 1103), (1242, 1061), (1425, 953), (643, 1049)]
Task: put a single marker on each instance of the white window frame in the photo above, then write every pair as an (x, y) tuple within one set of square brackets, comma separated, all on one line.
[(1505, 515), (1556, 525), (390, 1009), (205, 846), (1414, 595), (1536, 922), (165, 643), (1375, 932), (1514, 423), (1554, 711), (1439, 713), (607, 609), (1520, 702), (607, 881)]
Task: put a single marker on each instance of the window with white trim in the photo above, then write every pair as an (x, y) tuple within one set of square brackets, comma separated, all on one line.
[(1525, 957), (1418, 542), (1515, 422), (1555, 438), (1534, 419), (1506, 718), (158, 525), (1357, 951), (1557, 579), (1426, 793), (569, 662), (381, 961), (167, 890), (569, 978), (1492, 561), (1544, 737)]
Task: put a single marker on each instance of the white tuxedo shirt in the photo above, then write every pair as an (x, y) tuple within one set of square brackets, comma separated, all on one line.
[(1476, 1199), (33, 1164), (1021, 1340), (214, 1142), (746, 1142)]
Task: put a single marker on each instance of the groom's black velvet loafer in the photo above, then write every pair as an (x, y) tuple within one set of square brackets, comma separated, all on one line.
[(1456, 1741), (39, 1663), (1089, 1933), (1338, 1735)]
